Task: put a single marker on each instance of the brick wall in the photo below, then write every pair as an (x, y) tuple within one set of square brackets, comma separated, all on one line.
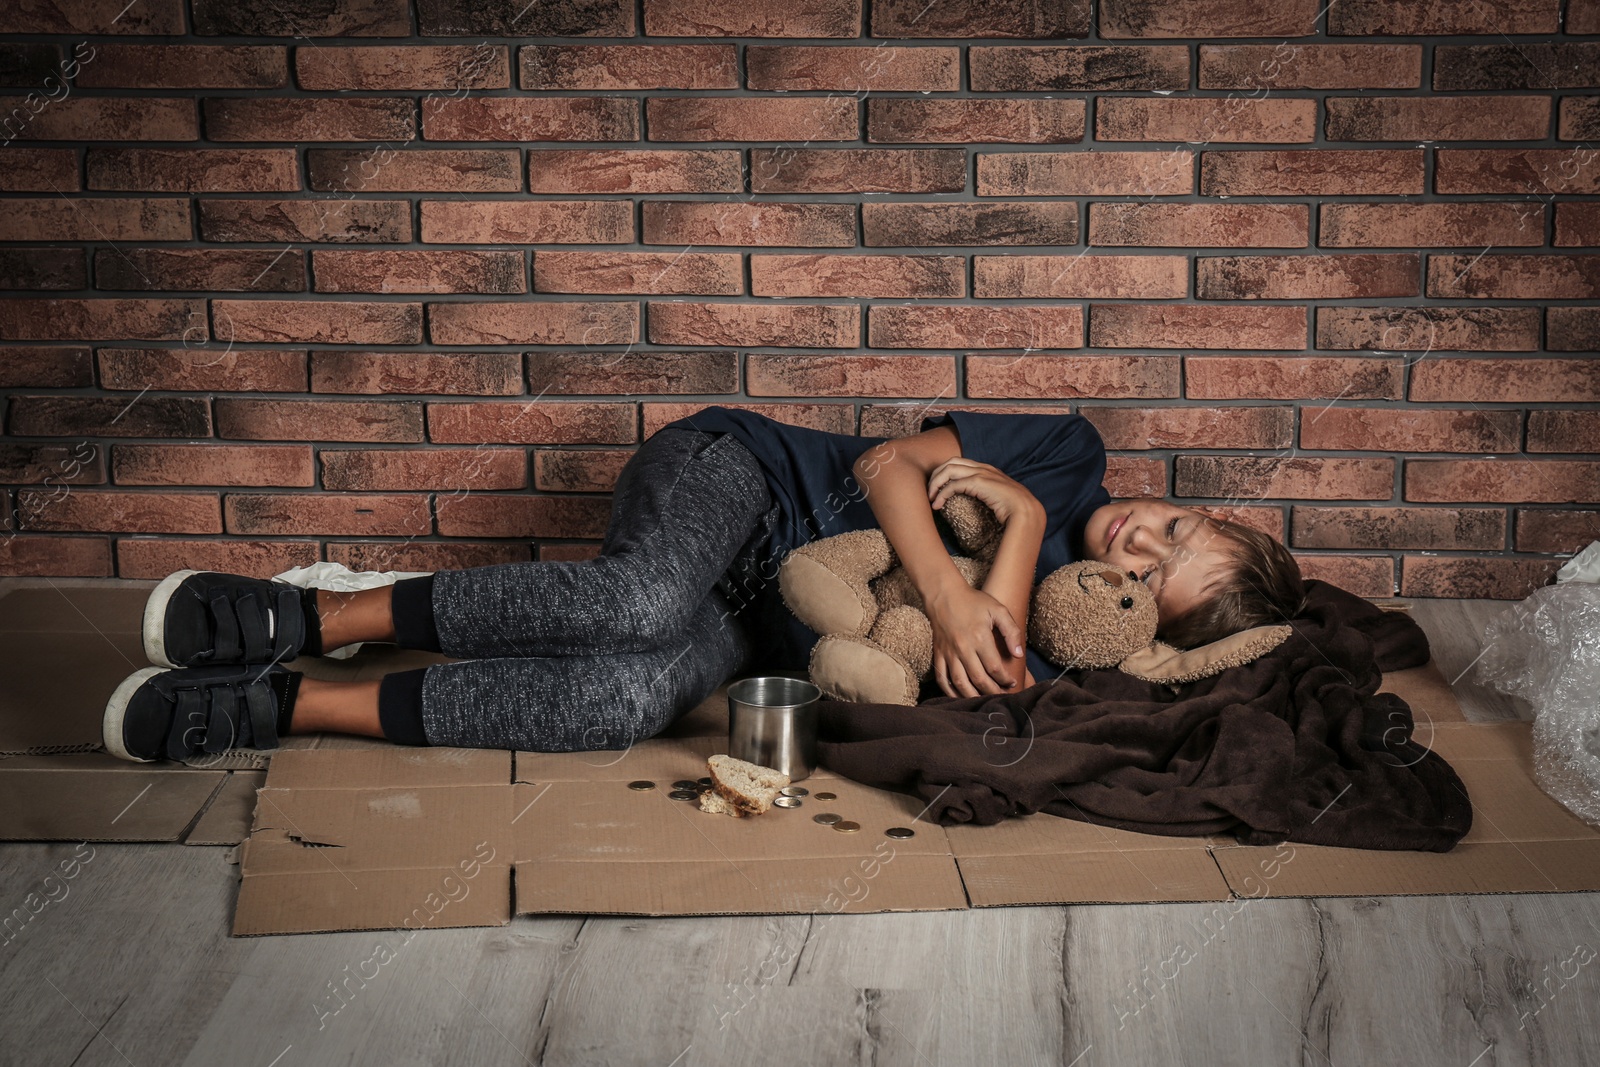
[(403, 284)]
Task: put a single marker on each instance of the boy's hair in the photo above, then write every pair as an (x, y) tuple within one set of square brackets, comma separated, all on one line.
[(1262, 587)]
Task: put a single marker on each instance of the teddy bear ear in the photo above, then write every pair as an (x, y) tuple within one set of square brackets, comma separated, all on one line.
[(1160, 662)]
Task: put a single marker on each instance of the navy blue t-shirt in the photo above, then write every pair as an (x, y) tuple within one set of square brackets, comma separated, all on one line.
[(1059, 458)]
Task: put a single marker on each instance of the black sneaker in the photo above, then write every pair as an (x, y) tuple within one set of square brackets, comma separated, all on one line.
[(161, 713), (202, 618)]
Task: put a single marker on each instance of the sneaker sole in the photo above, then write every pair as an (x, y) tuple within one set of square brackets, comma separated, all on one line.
[(117, 711), (155, 618)]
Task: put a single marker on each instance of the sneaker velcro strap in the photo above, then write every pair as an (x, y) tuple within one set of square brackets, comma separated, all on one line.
[(252, 627), (290, 635), (226, 645), (188, 722), (263, 716), (223, 723)]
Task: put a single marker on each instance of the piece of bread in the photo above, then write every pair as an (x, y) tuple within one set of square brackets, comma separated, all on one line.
[(749, 787), (714, 803)]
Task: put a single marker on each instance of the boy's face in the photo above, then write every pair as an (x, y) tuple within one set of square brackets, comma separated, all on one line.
[(1171, 549)]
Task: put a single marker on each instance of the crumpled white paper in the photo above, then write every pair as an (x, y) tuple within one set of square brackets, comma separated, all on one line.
[(338, 577)]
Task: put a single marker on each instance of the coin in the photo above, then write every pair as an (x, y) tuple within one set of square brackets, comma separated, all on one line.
[(704, 781), (684, 794), (795, 791), (827, 818), (641, 784), (847, 827), (825, 796), (685, 783), (786, 802), (899, 831)]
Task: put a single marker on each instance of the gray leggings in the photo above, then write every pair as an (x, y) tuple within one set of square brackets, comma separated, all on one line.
[(599, 653)]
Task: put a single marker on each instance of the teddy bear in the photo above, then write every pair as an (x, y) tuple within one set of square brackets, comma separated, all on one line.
[(876, 644)]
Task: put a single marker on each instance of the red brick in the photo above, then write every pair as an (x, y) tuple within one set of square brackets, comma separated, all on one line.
[(98, 118), (1457, 577), (235, 270), (59, 556), (974, 326), (635, 170), (833, 418), (102, 320), (1199, 225), (337, 322), (1535, 171), (1069, 376), (909, 119), (1576, 223), (265, 118), (814, 375), (1429, 329), (1077, 68), (186, 67), (845, 68), (695, 273), (1564, 431), (695, 222), (381, 67), (148, 557), (629, 66), (1506, 381), (194, 170), (858, 170), (1410, 430), (43, 269), (682, 322), (95, 16), (731, 118), (1583, 16), (1390, 528), (573, 470), (318, 420), (1192, 427), (1307, 277), (433, 468), (685, 18), (1091, 277), (1268, 519), (1312, 172), (1518, 277), (1365, 18), (1091, 173), (235, 370), (80, 464), (212, 464), (1511, 481), (1572, 329), (426, 555), (1197, 326), (532, 423), (383, 373), (41, 170), (551, 322), (521, 516), (364, 221), (97, 219), (321, 514), (1549, 530), (633, 373), (902, 420), (302, 18), (921, 224), (1517, 65), (549, 118), (822, 274), (1130, 476), (1579, 119), (1205, 119), (1292, 378), (32, 367), (505, 18), (109, 416), (1310, 66), (1430, 225), (1291, 477), (110, 510), (412, 271), (1365, 576), (1207, 18), (527, 221), (978, 18), (384, 169), (1449, 118)]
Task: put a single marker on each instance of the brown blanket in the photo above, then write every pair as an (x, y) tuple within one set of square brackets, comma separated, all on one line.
[(1295, 746)]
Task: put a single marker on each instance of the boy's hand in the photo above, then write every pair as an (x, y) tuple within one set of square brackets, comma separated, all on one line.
[(966, 659), (1004, 495)]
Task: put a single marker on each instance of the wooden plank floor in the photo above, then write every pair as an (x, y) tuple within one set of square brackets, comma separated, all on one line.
[(133, 965)]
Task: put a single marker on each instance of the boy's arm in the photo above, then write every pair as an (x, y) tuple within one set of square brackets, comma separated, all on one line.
[(1010, 579)]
